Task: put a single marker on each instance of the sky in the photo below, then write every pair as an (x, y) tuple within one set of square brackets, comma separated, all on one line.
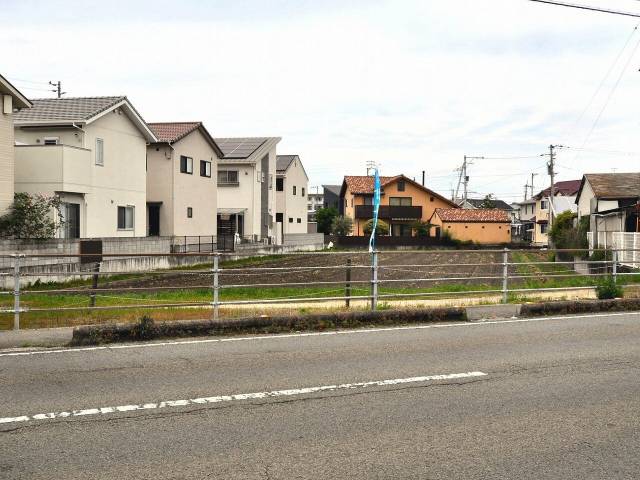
[(412, 85)]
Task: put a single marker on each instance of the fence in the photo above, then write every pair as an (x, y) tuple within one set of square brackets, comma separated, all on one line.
[(628, 244), (335, 278)]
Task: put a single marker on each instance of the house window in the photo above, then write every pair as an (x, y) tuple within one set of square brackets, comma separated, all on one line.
[(126, 218), (544, 204), (279, 217), (299, 220), (400, 201), (367, 200), (303, 191), (228, 177), (279, 184), (99, 152), (52, 141), (401, 185), (294, 189), (205, 168), (189, 212), (543, 228), (186, 165), (290, 220)]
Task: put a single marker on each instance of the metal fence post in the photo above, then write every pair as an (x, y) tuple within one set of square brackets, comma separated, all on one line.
[(94, 284), (614, 265), (374, 280), (16, 292), (347, 286), (505, 275), (216, 287)]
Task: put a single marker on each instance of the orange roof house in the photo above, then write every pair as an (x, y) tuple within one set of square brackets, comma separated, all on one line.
[(403, 202), (483, 225)]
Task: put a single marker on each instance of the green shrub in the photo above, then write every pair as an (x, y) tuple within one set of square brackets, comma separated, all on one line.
[(324, 217), (608, 288), (422, 229), (341, 226), (382, 228)]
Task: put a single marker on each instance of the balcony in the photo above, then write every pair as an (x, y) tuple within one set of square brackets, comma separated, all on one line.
[(389, 212), (53, 168)]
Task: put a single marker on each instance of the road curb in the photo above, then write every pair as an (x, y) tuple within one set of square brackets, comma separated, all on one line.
[(147, 329)]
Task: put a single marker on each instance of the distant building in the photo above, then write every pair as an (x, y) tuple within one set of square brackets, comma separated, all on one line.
[(291, 196), (315, 201), (564, 199), (403, 203), (480, 225), (12, 100)]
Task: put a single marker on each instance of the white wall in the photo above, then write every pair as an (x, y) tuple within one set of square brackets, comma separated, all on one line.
[(293, 207), (6, 159)]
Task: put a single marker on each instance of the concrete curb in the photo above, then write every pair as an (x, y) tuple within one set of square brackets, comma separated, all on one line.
[(147, 329)]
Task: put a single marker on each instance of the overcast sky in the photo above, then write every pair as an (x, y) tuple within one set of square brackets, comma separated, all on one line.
[(412, 85)]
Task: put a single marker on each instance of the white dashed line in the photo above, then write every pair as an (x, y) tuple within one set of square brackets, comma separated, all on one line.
[(236, 397)]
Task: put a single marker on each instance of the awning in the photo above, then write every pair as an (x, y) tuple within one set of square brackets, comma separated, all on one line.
[(231, 211)]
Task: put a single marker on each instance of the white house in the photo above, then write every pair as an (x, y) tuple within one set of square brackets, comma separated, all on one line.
[(11, 99), (246, 192), (291, 196), (91, 151), (181, 180)]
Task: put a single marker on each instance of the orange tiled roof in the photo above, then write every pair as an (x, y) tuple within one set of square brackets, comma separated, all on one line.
[(480, 215), (359, 184), (172, 131)]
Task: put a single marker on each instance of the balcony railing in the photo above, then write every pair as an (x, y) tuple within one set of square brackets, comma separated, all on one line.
[(389, 211)]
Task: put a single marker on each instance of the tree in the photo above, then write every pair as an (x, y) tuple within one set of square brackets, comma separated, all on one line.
[(382, 228), (565, 234), (324, 217), (423, 229), (488, 202), (341, 226), (30, 216)]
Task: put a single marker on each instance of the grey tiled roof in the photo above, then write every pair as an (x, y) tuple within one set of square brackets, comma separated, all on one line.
[(71, 109), (283, 162), (240, 148), (499, 204)]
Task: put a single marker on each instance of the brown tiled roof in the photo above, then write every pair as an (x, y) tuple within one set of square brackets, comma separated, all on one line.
[(614, 185), (480, 215), (173, 131), (362, 184), (567, 188)]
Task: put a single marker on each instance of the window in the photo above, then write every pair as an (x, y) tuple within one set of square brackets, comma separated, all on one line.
[(228, 177), (279, 217), (401, 185), (367, 200), (543, 228), (186, 165), (52, 141), (189, 212), (279, 184), (544, 204), (303, 191), (431, 199), (126, 218), (299, 220), (71, 217), (205, 168), (290, 220), (99, 152), (294, 189), (400, 201)]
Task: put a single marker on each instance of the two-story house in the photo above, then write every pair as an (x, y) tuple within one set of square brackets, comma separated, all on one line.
[(12, 100), (246, 187), (92, 152), (564, 198), (181, 180), (403, 202), (527, 215), (291, 196)]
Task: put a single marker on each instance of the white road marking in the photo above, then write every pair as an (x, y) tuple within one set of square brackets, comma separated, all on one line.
[(236, 397), (478, 323)]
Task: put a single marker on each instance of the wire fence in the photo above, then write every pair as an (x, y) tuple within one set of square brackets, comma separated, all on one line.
[(334, 278)]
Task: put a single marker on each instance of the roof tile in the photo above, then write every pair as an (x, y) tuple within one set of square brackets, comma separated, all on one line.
[(490, 215), (69, 109), (173, 131), (615, 185)]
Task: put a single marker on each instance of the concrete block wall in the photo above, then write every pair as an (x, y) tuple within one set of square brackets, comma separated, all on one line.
[(303, 239)]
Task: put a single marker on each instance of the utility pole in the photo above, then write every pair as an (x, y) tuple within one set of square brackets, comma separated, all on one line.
[(58, 88), (423, 178), (532, 175), (463, 178), (552, 173), (526, 189)]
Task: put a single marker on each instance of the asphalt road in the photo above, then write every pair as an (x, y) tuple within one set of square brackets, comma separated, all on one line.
[(536, 399)]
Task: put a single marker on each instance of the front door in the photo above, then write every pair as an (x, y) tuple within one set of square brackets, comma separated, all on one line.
[(71, 219), (154, 220)]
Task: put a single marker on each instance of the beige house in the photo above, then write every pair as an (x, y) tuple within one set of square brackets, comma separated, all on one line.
[(246, 188), (564, 198), (12, 100), (90, 151), (181, 180), (291, 196), (480, 225)]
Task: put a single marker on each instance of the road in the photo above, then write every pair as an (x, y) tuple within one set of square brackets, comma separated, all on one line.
[(555, 398)]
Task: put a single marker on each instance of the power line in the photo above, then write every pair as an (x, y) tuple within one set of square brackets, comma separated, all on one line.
[(587, 7)]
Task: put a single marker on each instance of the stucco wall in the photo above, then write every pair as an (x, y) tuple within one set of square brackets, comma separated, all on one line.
[(6, 160), (292, 206), (486, 233)]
